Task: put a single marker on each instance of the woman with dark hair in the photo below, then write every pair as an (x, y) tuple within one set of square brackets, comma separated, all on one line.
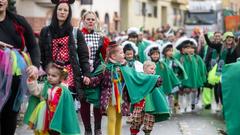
[(58, 43), (16, 36)]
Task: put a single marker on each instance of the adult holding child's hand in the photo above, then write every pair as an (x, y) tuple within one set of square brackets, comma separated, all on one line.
[(16, 35)]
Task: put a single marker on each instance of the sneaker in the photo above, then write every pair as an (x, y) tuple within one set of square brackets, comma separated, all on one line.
[(98, 132), (182, 110), (219, 108), (208, 107), (189, 109), (88, 133), (193, 106)]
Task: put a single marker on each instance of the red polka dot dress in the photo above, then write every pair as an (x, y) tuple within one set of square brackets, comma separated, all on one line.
[(60, 52)]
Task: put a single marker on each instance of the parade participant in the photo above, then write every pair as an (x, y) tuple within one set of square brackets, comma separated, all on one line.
[(16, 38), (136, 36), (57, 43), (97, 44), (152, 52), (196, 71), (230, 90), (118, 83), (151, 109), (178, 69), (131, 51), (51, 108)]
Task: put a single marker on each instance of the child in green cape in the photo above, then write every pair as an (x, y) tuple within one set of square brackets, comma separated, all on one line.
[(153, 108), (130, 52), (178, 69), (196, 71), (120, 85), (170, 80), (51, 108)]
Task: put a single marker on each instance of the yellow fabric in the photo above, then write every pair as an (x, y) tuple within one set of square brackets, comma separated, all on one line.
[(212, 77), (114, 121)]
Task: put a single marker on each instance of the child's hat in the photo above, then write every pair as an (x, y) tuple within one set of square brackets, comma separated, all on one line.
[(183, 41), (165, 45), (133, 30), (131, 44), (63, 1), (150, 48)]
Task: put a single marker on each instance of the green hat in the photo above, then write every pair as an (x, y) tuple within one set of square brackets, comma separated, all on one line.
[(227, 34), (210, 34)]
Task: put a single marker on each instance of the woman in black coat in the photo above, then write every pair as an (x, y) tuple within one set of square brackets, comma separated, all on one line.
[(16, 32), (57, 44)]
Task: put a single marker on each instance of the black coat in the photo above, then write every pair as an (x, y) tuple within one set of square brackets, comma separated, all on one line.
[(80, 66)]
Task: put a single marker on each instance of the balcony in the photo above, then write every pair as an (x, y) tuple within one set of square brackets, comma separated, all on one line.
[(183, 2)]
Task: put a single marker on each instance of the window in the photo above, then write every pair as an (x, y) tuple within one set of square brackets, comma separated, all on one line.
[(97, 14), (82, 12), (106, 23), (144, 9), (138, 8), (155, 11), (86, 2)]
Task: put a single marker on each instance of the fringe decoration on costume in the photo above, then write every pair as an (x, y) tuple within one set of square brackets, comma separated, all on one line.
[(13, 63)]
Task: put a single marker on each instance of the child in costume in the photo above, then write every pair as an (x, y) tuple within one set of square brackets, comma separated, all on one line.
[(170, 80), (119, 85), (51, 108), (131, 51), (151, 109), (196, 71), (178, 69)]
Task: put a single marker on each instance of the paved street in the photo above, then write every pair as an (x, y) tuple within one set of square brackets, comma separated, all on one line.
[(201, 123)]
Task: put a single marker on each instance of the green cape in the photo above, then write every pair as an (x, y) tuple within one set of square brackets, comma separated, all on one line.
[(93, 94), (169, 78), (231, 100), (179, 71), (139, 85), (156, 104), (141, 47), (195, 69), (65, 119)]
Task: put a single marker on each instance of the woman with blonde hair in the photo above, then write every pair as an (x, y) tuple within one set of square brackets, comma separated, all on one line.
[(97, 45)]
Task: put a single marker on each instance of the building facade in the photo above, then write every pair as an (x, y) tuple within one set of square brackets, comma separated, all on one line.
[(38, 12), (152, 13), (114, 15)]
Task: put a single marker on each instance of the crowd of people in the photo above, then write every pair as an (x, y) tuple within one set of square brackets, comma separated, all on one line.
[(145, 77)]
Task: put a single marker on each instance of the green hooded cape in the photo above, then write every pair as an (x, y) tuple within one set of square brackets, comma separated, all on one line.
[(139, 85), (169, 78), (195, 69), (156, 104), (65, 120), (231, 100)]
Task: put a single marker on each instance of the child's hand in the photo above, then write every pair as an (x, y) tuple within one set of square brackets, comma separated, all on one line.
[(86, 80), (32, 72)]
